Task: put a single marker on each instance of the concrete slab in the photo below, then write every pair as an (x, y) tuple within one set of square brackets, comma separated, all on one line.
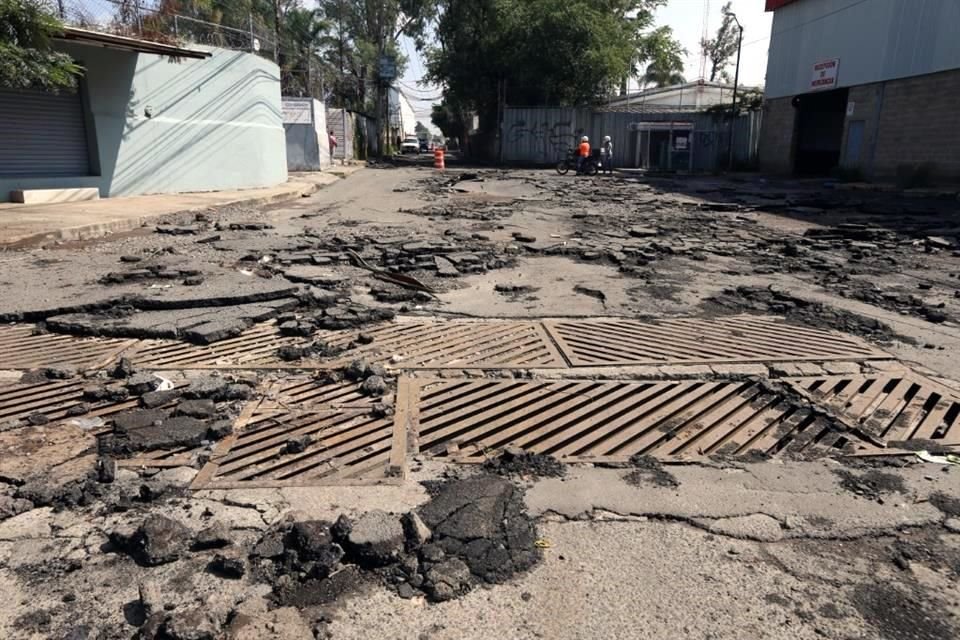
[(52, 196)]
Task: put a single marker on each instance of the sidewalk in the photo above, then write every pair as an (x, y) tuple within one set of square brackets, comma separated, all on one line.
[(41, 224)]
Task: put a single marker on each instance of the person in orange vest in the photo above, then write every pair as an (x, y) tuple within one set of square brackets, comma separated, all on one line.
[(583, 153)]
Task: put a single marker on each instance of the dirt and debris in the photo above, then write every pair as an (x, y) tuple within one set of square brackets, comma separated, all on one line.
[(647, 470), (769, 300), (895, 613), (514, 461), (872, 484)]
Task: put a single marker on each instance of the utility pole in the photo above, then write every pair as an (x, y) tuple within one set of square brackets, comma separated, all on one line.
[(736, 80), (276, 31)]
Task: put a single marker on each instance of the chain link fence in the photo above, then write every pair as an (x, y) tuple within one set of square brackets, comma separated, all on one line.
[(162, 21)]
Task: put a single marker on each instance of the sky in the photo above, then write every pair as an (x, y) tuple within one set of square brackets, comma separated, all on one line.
[(685, 17)]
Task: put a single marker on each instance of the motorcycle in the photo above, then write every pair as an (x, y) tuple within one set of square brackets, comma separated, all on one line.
[(590, 167)]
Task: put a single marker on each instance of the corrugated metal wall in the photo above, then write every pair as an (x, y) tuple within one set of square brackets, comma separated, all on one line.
[(875, 40), (542, 135)]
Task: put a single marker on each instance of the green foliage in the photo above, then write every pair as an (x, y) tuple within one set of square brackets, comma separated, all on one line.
[(748, 99), (544, 51), (26, 57), (422, 131), (721, 48)]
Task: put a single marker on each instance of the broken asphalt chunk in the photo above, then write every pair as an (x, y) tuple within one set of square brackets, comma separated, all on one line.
[(158, 540)]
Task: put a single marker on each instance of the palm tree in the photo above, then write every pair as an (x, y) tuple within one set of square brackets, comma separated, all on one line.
[(660, 75), (302, 32)]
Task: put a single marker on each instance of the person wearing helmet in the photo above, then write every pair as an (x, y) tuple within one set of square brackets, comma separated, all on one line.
[(606, 154), (583, 152)]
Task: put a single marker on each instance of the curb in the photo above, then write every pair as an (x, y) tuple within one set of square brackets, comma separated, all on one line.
[(91, 231)]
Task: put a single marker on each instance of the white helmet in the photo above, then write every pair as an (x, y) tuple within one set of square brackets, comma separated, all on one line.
[(606, 138), (584, 139)]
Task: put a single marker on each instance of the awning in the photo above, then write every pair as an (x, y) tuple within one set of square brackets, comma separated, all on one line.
[(124, 43)]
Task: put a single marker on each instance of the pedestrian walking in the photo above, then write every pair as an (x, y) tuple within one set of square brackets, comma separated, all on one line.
[(606, 154), (333, 146)]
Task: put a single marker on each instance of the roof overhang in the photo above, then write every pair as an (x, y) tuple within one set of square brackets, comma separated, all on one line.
[(124, 43), (773, 5)]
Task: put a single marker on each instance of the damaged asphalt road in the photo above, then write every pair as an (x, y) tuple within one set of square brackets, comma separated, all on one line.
[(241, 477)]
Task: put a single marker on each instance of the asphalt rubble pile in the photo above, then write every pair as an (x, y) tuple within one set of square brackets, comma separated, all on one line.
[(473, 531), (767, 300)]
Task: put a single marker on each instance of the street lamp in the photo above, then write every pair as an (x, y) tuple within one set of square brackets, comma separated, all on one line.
[(736, 80)]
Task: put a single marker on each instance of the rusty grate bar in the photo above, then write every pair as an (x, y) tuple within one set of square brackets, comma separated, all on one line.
[(53, 399), (622, 342), (893, 406), (591, 421), (21, 349), (255, 348), (454, 344), (180, 457)]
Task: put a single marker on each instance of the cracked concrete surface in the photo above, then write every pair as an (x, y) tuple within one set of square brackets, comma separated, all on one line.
[(804, 499)]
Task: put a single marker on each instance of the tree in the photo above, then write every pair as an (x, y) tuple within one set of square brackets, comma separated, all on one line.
[(27, 59), (421, 129), (301, 36), (538, 52), (661, 77), (720, 49), (666, 59)]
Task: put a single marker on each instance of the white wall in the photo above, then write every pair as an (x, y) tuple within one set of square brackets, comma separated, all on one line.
[(875, 40), (164, 126), (401, 112)]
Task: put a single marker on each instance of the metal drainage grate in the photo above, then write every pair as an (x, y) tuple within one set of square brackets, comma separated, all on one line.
[(468, 420), (733, 339), (344, 447), (893, 406), (293, 393), (493, 344), (255, 348), (21, 349), (53, 399)]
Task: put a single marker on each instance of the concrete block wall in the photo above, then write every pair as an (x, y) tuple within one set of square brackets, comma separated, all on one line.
[(777, 136), (918, 123), (910, 121)]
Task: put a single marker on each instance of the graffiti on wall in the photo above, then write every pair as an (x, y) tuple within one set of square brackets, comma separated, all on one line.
[(550, 139)]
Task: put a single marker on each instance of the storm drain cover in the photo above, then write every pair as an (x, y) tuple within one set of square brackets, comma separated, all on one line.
[(54, 399), (291, 393), (303, 446), (254, 348), (454, 344), (621, 342), (895, 406), (21, 349), (593, 421)]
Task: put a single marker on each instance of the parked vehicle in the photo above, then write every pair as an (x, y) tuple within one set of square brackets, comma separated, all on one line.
[(570, 161), (424, 146), (410, 145)]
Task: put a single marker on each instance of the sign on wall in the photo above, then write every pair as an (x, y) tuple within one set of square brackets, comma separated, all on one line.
[(825, 74), (297, 112)]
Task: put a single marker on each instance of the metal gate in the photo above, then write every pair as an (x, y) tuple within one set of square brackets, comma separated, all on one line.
[(44, 134)]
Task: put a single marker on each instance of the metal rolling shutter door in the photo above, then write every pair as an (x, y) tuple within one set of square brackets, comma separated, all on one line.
[(42, 135)]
